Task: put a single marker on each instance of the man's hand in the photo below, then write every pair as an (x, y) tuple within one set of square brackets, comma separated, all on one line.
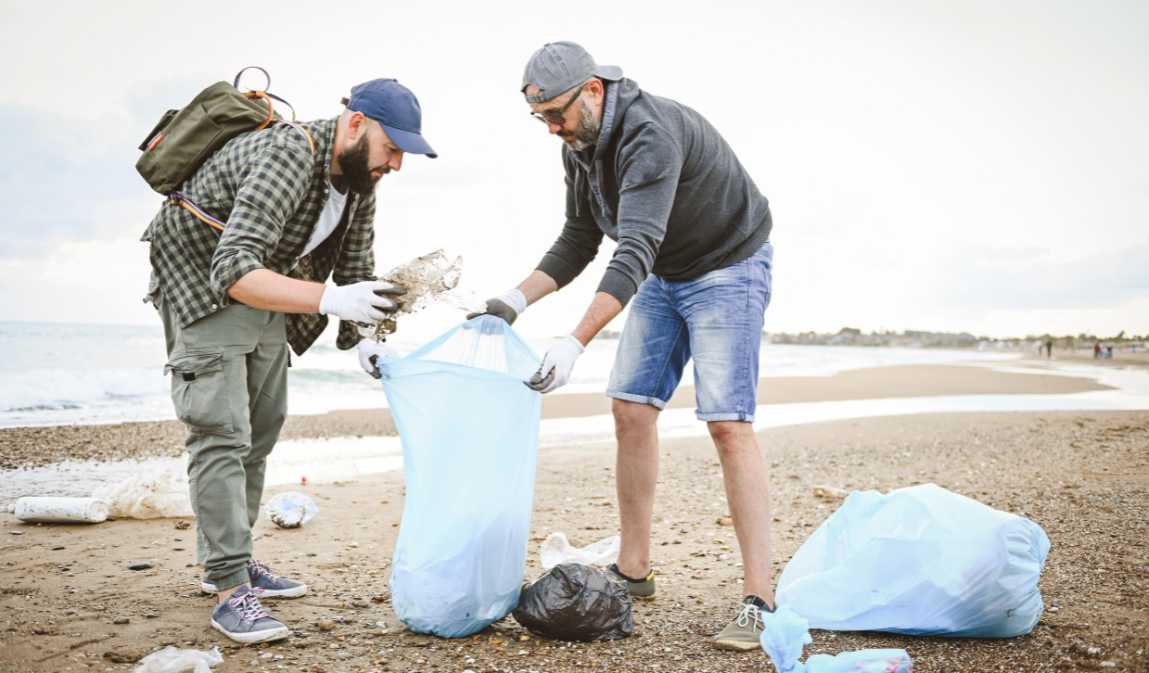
[(360, 302), (508, 306), (370, 351), (555, 371)]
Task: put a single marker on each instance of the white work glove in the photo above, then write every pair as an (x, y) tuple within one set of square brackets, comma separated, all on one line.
[(508, 306), (360, 302), (370, 351), (555, 371)]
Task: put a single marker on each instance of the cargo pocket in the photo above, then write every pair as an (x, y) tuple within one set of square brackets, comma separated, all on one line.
[(199, 392)]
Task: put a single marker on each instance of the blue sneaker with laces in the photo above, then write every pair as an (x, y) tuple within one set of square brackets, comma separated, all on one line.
[(269, 584), (242, 619)]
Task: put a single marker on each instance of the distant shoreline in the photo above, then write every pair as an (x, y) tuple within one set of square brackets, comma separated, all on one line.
[(39, 445)]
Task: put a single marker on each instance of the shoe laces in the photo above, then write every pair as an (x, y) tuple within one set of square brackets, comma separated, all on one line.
[(750, 615), (255, 568), (248, 606)]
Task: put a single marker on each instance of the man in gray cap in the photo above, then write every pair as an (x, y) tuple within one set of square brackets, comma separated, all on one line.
[(693, 260)]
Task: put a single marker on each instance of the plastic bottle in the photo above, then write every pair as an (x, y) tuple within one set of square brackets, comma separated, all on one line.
[(58, 509)]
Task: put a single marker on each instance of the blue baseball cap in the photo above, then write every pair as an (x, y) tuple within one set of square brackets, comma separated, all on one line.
[(397, 111)]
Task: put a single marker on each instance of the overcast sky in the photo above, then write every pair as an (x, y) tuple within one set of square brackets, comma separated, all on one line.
[(975, 166)]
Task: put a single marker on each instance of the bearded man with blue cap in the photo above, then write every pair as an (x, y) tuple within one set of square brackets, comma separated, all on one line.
[(296, 206), (693, 262)]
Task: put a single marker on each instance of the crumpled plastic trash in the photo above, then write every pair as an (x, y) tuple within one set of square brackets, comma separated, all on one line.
[(291, 509), (785, 634), (470, 435), (576, 602), (557, 549), (889, 660), (428, 278), (919, 561), (175, 660), (154, 495)]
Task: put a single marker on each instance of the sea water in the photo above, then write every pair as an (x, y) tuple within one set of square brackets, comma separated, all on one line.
[(339, 458), (56, 373)]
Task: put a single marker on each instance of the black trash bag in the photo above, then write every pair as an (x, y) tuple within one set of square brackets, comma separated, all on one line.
[(576, 602)]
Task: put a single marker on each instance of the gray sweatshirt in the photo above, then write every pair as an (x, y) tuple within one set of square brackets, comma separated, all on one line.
[(662, 183)]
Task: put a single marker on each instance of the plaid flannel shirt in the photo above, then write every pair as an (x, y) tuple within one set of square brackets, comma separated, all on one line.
[(270, 190)]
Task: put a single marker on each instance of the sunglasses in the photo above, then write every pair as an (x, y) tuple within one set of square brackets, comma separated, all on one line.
[(557, 116)]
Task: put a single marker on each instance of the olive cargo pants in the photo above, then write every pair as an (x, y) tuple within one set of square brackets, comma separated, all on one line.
[(229, 387)]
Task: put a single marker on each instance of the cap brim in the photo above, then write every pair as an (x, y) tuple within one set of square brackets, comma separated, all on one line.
[(611, 73), (411, 143)]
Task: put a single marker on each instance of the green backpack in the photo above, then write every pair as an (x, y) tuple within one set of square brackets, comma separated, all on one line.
[(184, 139)]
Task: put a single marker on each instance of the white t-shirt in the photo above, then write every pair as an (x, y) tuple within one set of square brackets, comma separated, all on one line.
[(328, 219)]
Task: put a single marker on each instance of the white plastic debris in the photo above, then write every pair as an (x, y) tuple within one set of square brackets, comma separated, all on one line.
[(426, 279), (58, 509), (176, 660), (785, 634), (291, 509), (156, 495), (431, 278), (557, 549)]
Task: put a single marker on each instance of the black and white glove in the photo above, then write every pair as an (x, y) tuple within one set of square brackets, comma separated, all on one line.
[(508, 306), (365, 302), (370, 351)]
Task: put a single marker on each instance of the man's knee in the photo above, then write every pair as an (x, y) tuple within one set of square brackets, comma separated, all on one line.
[(632, 416), (732, 436)]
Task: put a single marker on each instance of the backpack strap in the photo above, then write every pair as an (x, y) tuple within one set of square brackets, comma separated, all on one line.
[(177, 199), (306, 134)]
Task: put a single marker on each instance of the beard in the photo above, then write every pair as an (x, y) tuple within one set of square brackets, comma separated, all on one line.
[(586, 133), (356, 175)]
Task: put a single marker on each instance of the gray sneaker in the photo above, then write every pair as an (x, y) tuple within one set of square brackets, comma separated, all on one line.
[(269, 584), (643, 588), (244, 620), (742, 634)]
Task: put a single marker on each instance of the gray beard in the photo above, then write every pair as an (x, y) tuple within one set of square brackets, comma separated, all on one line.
[(586, 134)]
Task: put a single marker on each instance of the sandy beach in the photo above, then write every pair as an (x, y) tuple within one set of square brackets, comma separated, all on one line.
[(71, 603)]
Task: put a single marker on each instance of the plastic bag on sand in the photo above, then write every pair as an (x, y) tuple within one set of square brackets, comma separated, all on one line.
[(557, 549), (291, 509), (174, 660), (784, 634), (919, 561), (159, 494), (576, 602), (470, 433)]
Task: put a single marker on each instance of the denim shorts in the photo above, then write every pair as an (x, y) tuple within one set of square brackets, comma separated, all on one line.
[(716, 319)]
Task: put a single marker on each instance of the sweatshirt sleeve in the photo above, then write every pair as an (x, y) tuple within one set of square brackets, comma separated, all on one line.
[(649, 164), (580, 239)]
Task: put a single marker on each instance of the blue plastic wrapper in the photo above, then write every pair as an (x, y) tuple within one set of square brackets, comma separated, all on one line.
[(785, 633), (862, 661), (470, 432), (919, 561)]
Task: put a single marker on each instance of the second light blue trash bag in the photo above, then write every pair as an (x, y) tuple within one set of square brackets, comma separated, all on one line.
[(919, 561), (470, 434)]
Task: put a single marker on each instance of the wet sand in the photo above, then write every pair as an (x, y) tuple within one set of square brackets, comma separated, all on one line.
[(71, 603)]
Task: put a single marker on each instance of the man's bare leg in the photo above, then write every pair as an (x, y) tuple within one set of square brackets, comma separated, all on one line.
[(748, 495), (636, 473)]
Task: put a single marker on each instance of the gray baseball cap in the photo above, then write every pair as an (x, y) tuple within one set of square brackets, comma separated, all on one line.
[(559, 66)]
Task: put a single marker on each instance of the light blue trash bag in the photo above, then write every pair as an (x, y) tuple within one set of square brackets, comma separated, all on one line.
[(919, 561), (470, 434)]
